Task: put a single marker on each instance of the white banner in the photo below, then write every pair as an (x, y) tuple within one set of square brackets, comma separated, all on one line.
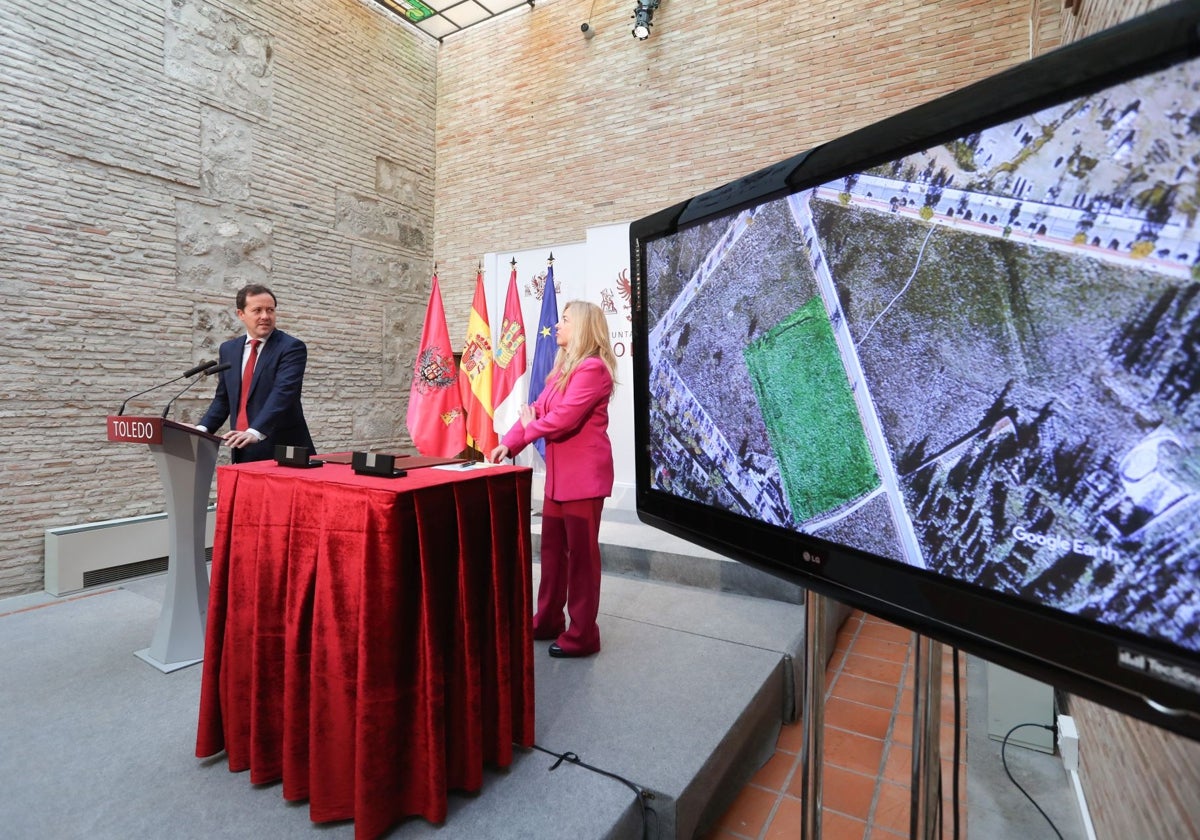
[(597, 271)]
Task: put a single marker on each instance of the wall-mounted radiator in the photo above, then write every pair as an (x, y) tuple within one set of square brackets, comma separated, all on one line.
[(102, 553)]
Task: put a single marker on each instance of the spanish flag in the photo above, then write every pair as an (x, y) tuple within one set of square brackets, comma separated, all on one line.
[(476, 381)]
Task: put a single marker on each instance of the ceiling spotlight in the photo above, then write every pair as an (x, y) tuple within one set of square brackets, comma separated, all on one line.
[(643, 15)]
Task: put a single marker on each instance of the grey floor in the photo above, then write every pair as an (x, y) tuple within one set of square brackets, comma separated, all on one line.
[(682, 705)]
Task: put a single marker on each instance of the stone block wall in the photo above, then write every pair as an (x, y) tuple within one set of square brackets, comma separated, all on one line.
[(155, 155)]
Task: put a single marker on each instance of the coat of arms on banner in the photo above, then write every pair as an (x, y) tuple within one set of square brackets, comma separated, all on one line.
[(511, 340), (434, 370), (475, 355), (536, 287), (625, 290)]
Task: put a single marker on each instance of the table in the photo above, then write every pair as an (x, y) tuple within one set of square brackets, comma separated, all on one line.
[(369, 640)]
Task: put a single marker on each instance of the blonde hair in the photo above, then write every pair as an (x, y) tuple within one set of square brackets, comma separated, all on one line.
[(589, 337)]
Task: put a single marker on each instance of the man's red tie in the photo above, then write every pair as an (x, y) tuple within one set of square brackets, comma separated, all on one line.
[(243, 422)]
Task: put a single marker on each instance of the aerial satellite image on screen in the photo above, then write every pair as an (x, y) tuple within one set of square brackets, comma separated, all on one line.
[(982, 359)]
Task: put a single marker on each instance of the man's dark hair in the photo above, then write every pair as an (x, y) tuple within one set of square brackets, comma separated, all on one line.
[(251, 290)]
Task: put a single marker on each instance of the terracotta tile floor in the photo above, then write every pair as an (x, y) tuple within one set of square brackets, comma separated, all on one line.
[(867, 766)]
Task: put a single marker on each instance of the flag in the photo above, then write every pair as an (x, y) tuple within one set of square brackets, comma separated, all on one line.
[(544, 347), (476, 384), (508, 386), (435, 413)]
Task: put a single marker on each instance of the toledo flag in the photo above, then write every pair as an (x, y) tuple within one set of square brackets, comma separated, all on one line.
[(545, 347), (508, 385), (435, 414), (476, 387)]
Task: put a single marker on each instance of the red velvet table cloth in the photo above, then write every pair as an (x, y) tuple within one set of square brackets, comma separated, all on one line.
[(369, 640)]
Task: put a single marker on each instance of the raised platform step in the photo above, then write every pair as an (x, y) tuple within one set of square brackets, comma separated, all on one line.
[(631, 548)]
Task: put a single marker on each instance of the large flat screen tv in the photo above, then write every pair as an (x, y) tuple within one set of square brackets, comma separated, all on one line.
[(945, 368)]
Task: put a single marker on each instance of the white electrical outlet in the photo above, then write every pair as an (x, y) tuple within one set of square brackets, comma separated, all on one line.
[(1068, 743)]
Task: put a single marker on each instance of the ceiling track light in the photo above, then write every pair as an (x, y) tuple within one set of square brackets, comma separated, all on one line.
[(643, 17)]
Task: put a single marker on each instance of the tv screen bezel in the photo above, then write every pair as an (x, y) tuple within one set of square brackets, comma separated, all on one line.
[(1074, 654)]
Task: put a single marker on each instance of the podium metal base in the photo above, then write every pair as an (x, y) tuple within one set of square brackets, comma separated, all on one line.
[(165, 667)]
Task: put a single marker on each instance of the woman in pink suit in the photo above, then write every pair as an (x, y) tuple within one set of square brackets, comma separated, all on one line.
[(571, 414)]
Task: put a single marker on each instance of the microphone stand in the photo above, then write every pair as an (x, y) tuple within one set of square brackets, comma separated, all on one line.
[(200, 368)]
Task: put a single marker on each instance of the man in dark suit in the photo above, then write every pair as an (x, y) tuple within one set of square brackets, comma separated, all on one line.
[(269, 413)]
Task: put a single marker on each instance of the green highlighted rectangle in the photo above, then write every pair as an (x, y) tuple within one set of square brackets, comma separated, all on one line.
[(810, 415)]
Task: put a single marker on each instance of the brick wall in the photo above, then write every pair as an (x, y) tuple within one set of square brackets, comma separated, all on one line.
[(568, 133), (154, 156), (1140, 781), (1081, 18), (689, 109)]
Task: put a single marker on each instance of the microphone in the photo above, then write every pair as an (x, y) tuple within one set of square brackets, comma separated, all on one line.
[(189, 372), (208, 370), (200, 367)]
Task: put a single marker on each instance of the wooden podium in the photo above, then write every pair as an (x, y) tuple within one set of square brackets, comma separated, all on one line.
[(186, 459)]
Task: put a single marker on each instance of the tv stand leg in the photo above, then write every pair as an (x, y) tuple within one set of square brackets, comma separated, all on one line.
[(813, 712), (926, 757)]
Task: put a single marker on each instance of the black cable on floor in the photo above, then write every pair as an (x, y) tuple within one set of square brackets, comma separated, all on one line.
[(643, 796), (1003, 745)]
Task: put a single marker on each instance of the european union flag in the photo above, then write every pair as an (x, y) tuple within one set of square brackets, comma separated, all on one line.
[(545, 347)]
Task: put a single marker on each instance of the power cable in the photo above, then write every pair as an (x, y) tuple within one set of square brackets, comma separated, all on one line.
[(1003, 745), (644, 796)]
